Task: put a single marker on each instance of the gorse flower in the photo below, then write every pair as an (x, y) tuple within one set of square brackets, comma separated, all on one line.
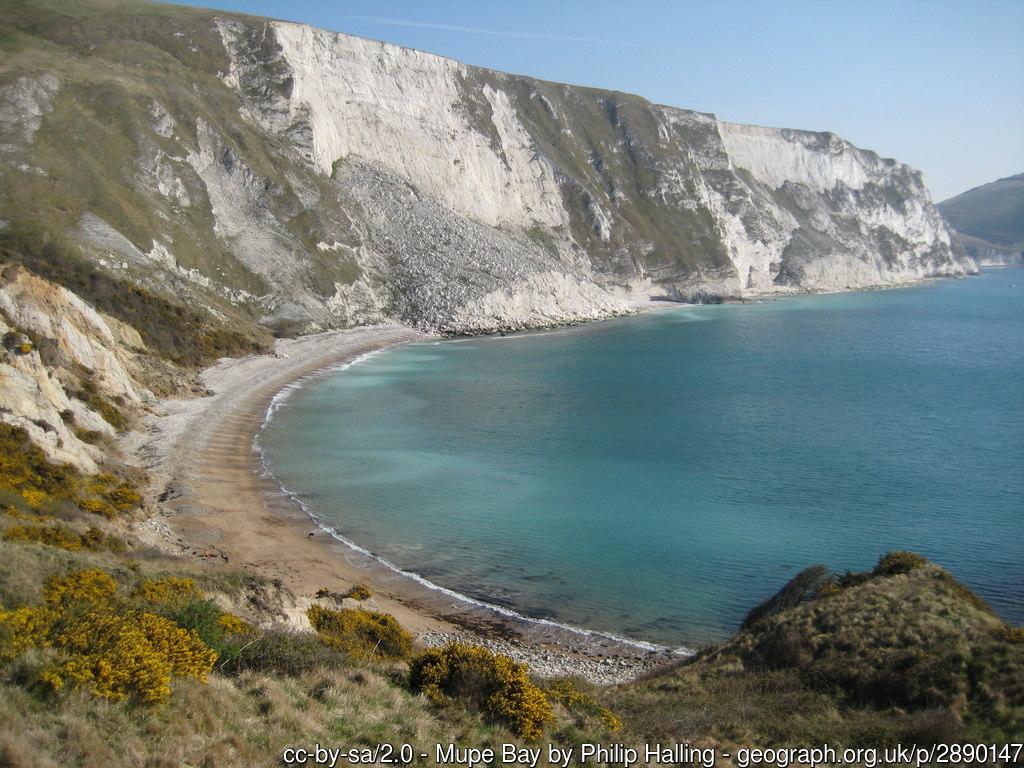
[(102, 643), (492, 683), (24, 628), (170, 589), (63, 537), (60, 536), (361, 633), (233, 625), (25, 469), (92, 587)]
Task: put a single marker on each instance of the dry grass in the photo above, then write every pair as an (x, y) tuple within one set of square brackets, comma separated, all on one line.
[(242, 721), (904, 653)]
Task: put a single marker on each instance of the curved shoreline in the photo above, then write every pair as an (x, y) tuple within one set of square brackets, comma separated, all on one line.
[(215, 504)]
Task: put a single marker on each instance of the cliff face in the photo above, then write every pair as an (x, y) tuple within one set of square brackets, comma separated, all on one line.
[(282, 175), (63, 365)]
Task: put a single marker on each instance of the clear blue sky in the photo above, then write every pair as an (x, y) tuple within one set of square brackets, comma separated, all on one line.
[(939, 84)]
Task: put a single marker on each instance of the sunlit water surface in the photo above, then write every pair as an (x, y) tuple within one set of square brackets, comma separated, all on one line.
[(657, 476)]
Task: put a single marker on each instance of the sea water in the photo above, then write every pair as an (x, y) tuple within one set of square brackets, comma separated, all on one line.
[(657, 476)]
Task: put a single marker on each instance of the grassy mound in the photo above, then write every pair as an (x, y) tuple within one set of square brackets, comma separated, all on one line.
[(901, 653)]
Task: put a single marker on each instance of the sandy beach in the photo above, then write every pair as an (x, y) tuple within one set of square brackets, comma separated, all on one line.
[(213, 504)]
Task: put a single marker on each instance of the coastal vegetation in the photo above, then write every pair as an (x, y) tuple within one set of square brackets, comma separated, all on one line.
[(170, 329), (118, 654), (361, 633), (39, 484), (486, 682), (111, 652), (358, 592), (903, 652), (84, 635), (186, 227)]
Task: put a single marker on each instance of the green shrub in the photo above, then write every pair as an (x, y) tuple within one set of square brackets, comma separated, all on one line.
[(361, 633), (201, 616), (88, 392), (566, 693), (490, 683), (180, 601), (277, 652), (898, 561)]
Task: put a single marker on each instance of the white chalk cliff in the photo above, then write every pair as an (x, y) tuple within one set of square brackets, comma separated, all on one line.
[(301, 179)]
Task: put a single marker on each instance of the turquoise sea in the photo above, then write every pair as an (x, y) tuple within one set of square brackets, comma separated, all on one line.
[(657, 476)]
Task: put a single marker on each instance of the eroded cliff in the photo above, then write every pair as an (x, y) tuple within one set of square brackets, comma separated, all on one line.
[(283, 176)]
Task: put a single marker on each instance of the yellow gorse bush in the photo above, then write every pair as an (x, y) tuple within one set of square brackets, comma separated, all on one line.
[(493, 683), (187, 653), (359, 592), (24, 628), (26, 470), (34, 497), (60, 536), (102, 643), (115, 655), (233, 625), (361, 633), (90, 587), (111, 496), (170, 589), (31, 517)]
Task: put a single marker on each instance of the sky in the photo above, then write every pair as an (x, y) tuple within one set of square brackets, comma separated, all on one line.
[(936, 84)]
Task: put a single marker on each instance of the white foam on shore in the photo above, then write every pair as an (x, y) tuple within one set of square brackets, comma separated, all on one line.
[(279, 399)]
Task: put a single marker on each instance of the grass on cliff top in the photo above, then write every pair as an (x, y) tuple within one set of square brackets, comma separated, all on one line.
[(902, 653)]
